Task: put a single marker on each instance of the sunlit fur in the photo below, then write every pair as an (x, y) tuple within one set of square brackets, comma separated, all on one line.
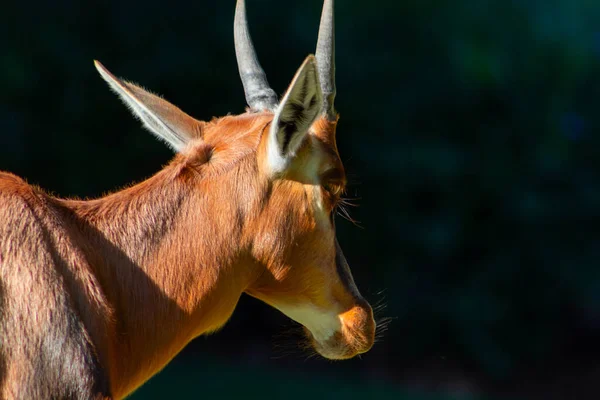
[(150, 267)]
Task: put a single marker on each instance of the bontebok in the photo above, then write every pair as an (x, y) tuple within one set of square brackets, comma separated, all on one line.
[(97, 296)]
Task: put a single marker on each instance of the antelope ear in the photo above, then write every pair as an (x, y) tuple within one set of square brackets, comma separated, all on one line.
[(300, 106), (160, 117)]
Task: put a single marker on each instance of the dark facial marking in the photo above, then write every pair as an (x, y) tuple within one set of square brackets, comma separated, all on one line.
[(343, 270)]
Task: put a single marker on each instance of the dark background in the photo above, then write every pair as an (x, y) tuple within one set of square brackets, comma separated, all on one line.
[(469, 129)]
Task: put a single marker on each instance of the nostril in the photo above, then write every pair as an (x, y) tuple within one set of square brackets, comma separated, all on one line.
[(359, 326), (355, 334)]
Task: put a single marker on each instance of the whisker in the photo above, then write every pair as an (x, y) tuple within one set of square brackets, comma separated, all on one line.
[(350, 201), (380, 305), (289, 342), (343, 212)]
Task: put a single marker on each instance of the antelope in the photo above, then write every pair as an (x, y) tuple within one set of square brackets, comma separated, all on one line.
[(96, 296)]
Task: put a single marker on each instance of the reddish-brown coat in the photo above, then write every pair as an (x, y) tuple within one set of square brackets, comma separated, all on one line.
[(143, 271)]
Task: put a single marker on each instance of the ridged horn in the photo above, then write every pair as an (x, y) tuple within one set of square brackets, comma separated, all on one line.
[(326, 58), (259, 94)]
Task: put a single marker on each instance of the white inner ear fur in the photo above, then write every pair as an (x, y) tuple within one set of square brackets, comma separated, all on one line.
[(300, 106), (151, 121)]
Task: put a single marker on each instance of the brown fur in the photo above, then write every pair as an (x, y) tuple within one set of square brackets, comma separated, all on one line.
[(97, 296)]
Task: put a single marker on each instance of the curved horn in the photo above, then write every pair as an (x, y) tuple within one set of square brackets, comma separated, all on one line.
[(326, 58), (259, 94)]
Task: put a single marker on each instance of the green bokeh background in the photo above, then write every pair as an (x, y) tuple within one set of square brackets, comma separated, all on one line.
[(469, 129)]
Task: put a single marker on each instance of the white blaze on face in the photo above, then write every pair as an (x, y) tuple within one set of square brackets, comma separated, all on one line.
[(319, 208), (322, 325), (313, 169)]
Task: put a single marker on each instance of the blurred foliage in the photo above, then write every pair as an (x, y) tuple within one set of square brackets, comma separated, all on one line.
[(468, 128)]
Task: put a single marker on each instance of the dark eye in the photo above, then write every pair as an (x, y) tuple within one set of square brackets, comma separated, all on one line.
[(333, 183), (332, 193), (333, 180)]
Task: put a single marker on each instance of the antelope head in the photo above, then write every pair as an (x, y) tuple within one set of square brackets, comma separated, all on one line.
[(278, 177), (308, 278)]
